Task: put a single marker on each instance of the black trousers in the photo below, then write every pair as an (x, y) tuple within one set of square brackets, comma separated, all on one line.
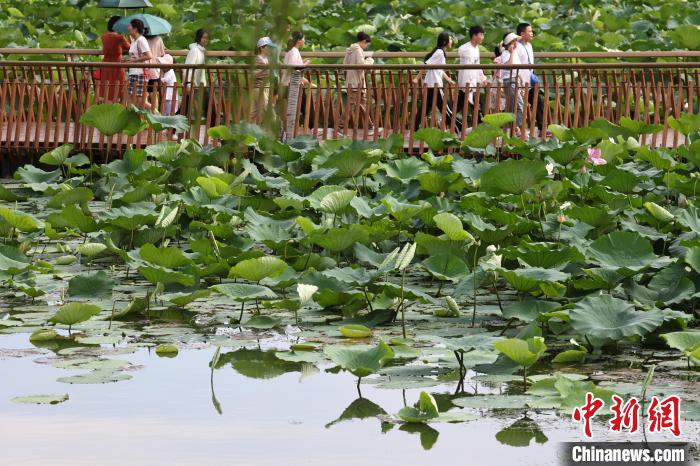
[(461, 100), (427, 106), (539, 111)]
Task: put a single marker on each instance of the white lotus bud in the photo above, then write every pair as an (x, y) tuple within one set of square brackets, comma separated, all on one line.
[(212, 170)]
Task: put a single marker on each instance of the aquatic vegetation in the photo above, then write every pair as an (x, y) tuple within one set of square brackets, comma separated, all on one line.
[(454, 267)]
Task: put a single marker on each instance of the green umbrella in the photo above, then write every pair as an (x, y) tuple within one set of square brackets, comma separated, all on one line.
[(156, 26), (124, 4)]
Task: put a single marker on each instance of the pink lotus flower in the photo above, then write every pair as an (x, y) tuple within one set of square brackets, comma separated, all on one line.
[(595, 156)]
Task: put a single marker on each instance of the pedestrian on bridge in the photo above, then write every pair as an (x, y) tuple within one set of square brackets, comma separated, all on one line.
[(434, 83), (112, 80)]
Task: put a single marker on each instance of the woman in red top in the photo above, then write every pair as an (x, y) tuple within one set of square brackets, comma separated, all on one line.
[(114, 45)]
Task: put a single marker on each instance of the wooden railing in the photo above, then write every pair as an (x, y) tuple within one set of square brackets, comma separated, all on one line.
[(96, 54), (42, 102)]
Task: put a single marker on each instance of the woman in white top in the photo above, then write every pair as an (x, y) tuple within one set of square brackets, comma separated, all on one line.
[(293, 82), (434, 82), (196, 80), (512, 80), (139, 52)]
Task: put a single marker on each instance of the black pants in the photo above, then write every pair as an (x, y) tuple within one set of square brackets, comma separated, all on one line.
[(427, 106), (539, 111), (197, 93), (461, 100)]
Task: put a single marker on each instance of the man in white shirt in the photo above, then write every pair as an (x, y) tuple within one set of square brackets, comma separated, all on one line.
[(469, 55), (528, 76)]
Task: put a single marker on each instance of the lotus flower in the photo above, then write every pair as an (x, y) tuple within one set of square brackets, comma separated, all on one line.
[(550, 169), (595, 156)]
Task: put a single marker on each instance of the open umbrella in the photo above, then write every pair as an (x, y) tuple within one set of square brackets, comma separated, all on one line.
[(156, 26), (124, 4)]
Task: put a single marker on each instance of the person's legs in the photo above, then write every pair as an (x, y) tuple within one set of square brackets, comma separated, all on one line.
[(539, 110), (448, 112), (423, 110)]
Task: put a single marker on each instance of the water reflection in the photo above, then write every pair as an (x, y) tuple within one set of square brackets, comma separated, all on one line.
[(521, 433)]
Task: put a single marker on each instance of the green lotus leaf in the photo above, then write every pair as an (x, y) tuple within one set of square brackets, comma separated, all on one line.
[(242, 292), (74, 313), (451, 225), (361, 361), (624, 249), (256, 269), (611, 318), (19, 220), (513, 176), (522, 352), (336, 201), (263, 322), (57, 156), (110, 119), (355, 331)]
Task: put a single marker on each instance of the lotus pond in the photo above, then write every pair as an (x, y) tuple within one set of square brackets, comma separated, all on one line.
[(260, 302)]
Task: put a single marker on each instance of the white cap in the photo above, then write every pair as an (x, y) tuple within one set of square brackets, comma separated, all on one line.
[(510, 38), (265, 41)]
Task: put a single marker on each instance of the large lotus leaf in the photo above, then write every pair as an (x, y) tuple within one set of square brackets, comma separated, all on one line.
[(446, 267), (80, 196), (360, 360), (155, 275), (434, 182), (336, 201), (468, 342), (499, 119), (214, 186), (168, 257), (686, 36), (611, 318), (435, 138), (528, 310), (669, 286), (687, 123), (624, 250), (8, 196), (683, 341), (402, 211), (72, 217), (74, 313), (12, 260), (425, 410), (482, 136), (349, 163), (451, 225), (621, 181), (36, 177), (546, 255), (256, 269), (96, 285), (110, 119), (522, 352), (536, 279), (57, 156), (406, 169), (19, 220), (513, 176), (161, 122), (263, 322), (689, 217), (339, 239)]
